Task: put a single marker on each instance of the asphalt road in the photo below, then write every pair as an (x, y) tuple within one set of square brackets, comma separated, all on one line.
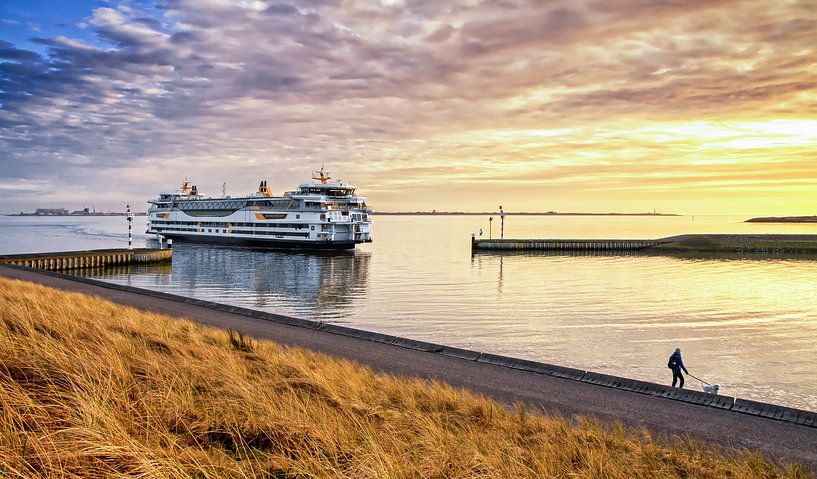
[(782, 441)]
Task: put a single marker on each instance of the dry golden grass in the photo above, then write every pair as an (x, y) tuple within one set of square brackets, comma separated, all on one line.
[(93, 389)]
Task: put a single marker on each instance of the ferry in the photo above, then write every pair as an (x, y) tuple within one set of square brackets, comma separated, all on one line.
[(319, 215)]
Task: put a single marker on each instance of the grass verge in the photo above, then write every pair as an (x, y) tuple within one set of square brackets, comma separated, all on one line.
[(89, 388)]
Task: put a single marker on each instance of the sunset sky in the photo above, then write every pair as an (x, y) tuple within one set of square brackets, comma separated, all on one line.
[(680, 106)]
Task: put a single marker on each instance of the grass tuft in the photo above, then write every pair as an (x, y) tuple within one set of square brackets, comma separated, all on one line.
[(239, 342), (93, 389)]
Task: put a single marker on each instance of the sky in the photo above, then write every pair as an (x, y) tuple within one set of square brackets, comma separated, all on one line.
[(690, 107)]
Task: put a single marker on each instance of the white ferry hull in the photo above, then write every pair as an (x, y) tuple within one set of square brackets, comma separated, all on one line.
[(264, 243)]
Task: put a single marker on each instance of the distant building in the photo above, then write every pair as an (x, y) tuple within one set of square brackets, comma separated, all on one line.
[(51, 212), (82, 212)]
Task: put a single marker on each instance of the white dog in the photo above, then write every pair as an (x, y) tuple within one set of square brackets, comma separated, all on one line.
[(713, 389)]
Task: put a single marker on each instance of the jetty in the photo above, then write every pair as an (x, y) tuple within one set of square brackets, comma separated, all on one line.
[(68, 260), (691, 243), (783, 219)]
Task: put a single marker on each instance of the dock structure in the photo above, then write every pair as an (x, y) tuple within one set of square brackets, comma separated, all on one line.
[(692, 243), (67, 260), (562, 244)]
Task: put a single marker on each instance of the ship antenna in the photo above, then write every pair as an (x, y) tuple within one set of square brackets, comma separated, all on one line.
[(321, 175)]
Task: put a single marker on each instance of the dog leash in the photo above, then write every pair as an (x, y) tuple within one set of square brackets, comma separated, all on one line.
[(699, 379)]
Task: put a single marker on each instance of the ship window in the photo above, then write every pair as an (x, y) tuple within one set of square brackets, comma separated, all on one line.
[(297, 217)]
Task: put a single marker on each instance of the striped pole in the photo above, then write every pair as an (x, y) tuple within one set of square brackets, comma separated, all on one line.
[(502, 220), (130, 228)]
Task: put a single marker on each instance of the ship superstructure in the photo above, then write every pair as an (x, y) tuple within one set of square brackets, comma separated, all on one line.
[(322, 214)]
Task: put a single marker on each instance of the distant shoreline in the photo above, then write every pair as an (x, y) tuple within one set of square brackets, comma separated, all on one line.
[(783, 219), (392, 213), (74, 216), (521, 213)]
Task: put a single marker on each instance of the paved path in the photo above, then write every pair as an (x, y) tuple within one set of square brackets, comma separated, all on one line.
[(780, 440)]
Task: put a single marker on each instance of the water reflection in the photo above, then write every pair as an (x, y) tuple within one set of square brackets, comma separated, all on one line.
[(499, 281), (308, 285), (101, 272)]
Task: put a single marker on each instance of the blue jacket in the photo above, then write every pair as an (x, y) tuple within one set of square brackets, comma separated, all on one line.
[(679, 363)]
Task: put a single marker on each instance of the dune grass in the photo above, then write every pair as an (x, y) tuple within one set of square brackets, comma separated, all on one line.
[(89, 388)]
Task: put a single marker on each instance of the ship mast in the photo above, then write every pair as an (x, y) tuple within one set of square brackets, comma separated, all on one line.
[(322, 176)]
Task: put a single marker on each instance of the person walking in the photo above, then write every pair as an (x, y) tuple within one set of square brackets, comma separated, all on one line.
[(677, 364)]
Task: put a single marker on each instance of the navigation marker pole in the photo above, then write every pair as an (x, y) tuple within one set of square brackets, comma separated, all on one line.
[(502, 218), (130, 228), (490, 223)]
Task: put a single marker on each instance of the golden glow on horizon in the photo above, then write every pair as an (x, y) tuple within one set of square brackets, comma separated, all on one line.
[(726, 167)]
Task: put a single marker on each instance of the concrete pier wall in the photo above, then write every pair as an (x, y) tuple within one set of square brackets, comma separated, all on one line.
[(704, 243), (62, 261), (562, 244)]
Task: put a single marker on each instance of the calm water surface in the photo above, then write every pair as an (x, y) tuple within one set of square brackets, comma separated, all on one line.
[(749, 323)]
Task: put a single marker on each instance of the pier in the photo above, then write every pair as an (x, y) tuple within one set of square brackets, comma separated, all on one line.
[(692, 243), (562, 244), (67, 260)]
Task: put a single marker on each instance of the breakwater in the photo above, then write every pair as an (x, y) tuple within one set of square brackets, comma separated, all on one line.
[(67, 260), (704, 243)]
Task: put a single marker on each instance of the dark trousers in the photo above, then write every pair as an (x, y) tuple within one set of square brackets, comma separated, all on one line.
[(676, 375)]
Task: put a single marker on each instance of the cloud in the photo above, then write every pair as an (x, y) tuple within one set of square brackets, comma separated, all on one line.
[(8, 52), (388, 91)]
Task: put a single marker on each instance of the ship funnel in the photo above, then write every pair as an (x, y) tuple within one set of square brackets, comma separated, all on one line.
[(264, 189)]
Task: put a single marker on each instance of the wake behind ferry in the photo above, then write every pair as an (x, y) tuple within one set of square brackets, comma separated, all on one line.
[(322, 215)]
